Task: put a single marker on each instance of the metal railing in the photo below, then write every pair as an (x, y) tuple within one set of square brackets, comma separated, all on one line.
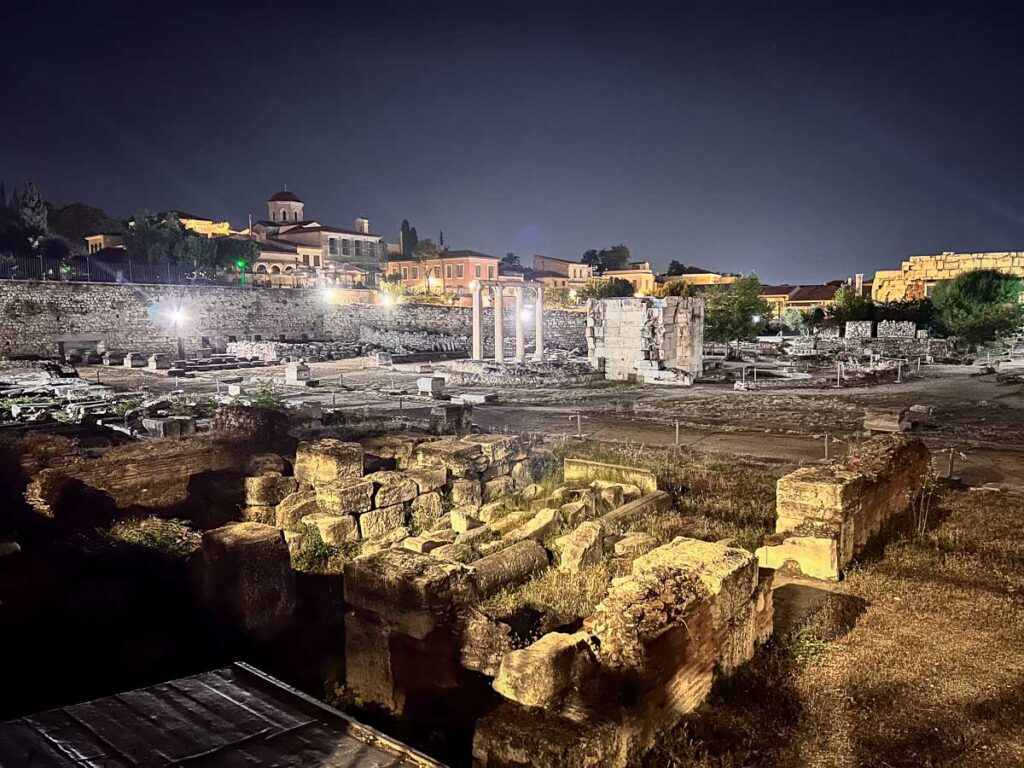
[(85, 269)]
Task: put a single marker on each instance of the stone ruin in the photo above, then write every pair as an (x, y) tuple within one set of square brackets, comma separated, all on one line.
[(646, 339), (827, 513)]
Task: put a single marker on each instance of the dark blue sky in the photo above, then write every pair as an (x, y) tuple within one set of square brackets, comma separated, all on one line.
[(802, 141)]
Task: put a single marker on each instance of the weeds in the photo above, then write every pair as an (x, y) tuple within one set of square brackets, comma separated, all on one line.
[(173, 538)]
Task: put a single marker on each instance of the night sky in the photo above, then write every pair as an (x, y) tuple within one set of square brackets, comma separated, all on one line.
[(804, 142)]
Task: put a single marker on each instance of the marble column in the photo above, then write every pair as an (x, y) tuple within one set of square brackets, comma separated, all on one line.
[(478, 322), (538, 309), (499, 323), (520, 326)]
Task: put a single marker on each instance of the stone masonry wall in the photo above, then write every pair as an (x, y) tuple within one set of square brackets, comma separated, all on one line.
[(827, 514), (909, 282), (35, 316)]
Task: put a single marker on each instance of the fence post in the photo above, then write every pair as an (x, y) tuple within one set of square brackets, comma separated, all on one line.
[(131, 277), (88, 270)]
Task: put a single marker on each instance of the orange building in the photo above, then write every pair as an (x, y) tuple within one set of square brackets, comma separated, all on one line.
[(451, 273)]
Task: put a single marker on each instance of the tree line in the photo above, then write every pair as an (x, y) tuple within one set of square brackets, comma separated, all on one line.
[(31, 226)]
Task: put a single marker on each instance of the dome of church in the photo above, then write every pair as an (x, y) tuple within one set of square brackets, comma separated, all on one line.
[(284, 196)]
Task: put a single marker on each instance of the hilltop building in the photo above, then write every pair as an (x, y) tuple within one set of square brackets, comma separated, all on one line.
[(291, 244), (638, 273), (694, 275), (919, 275)]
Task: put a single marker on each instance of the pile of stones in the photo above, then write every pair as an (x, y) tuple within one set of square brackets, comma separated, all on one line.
[(285, 351)]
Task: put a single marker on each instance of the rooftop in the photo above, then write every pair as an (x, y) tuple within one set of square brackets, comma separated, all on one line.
[(227, 717), (284, 196)]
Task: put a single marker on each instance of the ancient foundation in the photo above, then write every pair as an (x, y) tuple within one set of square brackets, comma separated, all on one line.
[(827, 514)]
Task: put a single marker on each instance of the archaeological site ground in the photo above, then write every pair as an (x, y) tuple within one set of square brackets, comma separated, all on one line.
[(293, 528)]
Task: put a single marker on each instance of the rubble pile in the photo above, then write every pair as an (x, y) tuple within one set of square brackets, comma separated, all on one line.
[(409, 342), (287, 351), (488, 373)]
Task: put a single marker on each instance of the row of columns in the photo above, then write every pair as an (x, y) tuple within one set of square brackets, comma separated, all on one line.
[(497, 293)]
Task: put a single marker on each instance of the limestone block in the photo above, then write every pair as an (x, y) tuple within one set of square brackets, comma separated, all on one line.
[(582, 471), (294, 507), (537, 527), (512, 565), (635, 544), (162, 427), (476, 536), (484, 641), (497, 448), (409, 590), (618, 519), (458, 553), (612, 496), (328, 459), (430, 385), (391, 488), (540, 674), (492, 511), (427, 507), (467, 493), (268, 490), (816, 557), (498, 489), (246, 577), (533, 491), (521, 474), (427, 479), (575, 512), (294, 541), (464, 519), (387, 451), (390, 539), (259, 514), (266, 463), (512, 520), (459, 458), (379, 522), (424, 543), (345, 496), (334, 529), (368, 671), (581, 548)]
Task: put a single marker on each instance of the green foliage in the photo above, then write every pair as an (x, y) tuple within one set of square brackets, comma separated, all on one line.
[(231, 250), (409, 239), (675, 268), (920, 312), (33, 210), (616, 288), (510, 260), (173, 538), (849, 305), (148, 240), (735, 312), (317, 556), (797, 320), (676, 288), (264, 396), (195, 251), (76, 220), (427, 249), (615, 257), (981, 305)]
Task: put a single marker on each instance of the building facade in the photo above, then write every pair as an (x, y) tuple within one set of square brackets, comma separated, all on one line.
[(561, 273), (291, 244), (451, 273), (638, 273)]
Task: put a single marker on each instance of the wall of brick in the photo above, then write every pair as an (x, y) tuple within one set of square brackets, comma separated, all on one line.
[(35, 316)]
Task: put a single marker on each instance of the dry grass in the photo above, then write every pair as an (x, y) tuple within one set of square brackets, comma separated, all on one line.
[(931, 674), (173, 538)]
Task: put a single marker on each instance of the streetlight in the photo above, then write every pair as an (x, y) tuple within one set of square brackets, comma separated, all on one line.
[(178, 318)]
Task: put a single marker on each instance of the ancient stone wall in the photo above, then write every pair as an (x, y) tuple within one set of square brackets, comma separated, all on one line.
[(35, 316), (647, 339), (826, 514), (911, 280)]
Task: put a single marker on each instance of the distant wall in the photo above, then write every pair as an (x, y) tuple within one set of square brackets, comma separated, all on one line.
[(911, 281), (35, 316)]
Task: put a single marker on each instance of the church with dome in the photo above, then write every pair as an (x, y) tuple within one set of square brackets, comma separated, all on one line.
[(292, 245)]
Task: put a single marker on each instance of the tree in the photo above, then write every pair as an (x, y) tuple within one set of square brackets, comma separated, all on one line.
[(425, 250), (592, 259), (849, 305), (195, 251), (76, 220), (232, 251), (796, 320), (33, 210), (615, 288), (149, 240), (675, 268), (440, 239), (409, 239), (676, 288), (511, 260), (54, 247), (735, 312), (981, 305)]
